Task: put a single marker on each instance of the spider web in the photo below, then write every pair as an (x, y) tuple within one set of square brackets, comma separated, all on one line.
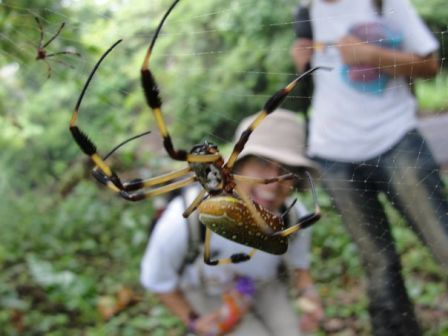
[(100, 29)]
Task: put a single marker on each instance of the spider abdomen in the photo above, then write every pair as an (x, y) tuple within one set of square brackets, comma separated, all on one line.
[(229, 217)]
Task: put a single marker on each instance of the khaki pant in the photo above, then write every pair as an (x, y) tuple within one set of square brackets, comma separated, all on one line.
[(272, 313)]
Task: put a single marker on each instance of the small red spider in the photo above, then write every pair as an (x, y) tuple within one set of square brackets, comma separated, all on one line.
[(41, 48)]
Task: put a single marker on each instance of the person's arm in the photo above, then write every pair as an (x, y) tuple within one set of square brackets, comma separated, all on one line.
[(394, 62), (160, 266), (302, 48), (304, 285), (302, 279), (176, 302), (203, 325), (308, 300), (301, 53)]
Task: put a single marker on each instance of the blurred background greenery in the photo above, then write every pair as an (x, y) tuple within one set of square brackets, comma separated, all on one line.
[(69, 249)]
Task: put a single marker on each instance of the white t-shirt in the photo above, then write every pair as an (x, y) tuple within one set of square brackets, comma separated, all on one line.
[(348, 125), (168, 244)]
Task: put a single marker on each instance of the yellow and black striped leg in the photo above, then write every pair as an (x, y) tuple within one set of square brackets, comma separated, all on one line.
[(307, 220), (83, 141), (141, 195), (153, 99), (152, 94), (270, 106), (103, 173), (193, 206), (303, 223), (137, 184), (234, 258), (151, 90), (258, 180), (131, 191), (99, 175)]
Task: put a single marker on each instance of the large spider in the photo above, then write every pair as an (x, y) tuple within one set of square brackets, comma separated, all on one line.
[(222, 205), (41, 48)]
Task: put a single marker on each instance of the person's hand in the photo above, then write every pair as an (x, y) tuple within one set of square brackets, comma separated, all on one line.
[(206, 325), (312, 313), (301, 52), (355, 51)]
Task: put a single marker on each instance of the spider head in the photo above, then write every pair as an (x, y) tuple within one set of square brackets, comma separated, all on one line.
[(41, 54), (209, 174), (204, 148)]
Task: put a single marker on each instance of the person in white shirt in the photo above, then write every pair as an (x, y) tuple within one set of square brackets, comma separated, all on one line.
[(363, 135), (195, 294)]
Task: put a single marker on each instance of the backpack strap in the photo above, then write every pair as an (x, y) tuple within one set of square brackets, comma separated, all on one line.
[(292, 217), (379, 6), (195, 228), (304, 29)]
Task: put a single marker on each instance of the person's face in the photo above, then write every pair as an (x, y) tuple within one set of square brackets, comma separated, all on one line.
[(271, 196)]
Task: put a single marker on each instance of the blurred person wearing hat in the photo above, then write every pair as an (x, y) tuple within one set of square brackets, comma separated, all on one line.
[(196, 293)]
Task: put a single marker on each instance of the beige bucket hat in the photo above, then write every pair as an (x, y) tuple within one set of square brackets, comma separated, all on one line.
[(279, 137)]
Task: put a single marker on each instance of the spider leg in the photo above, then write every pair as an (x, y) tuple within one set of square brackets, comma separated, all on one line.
[(136, 194), (66, 52), (132, 191), (57, 61), (41, 31), (257, 180), (137, 183), (83, 141), (151, 91), (255, 214), (54, 36), (62, 63), (193, 206), (125, 142), (102, 178), (140, 195), (270, 106), (307, 220), (288, 209), (152, 94), (234, 258), (140, 184), (48, 68)]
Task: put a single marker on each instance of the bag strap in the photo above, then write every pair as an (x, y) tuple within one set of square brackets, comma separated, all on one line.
[(194, 227), (292, 218), (304, 29), (379, 6)]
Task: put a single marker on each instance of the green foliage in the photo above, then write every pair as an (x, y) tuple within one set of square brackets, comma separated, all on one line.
[(431, 94), (435, 12)]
